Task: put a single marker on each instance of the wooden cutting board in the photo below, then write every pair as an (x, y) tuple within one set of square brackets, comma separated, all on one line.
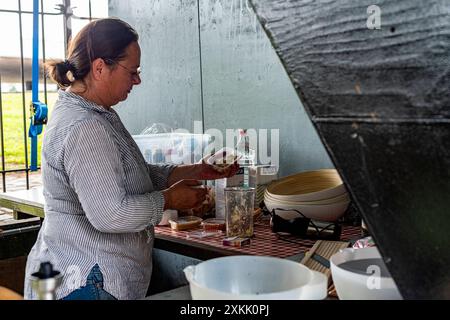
[(7, 294), (319, 256)]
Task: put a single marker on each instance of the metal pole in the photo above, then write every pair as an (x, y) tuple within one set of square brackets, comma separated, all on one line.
[(16, 170), (11, 232), (35, 80), (22, 69), (90, 11), (200, 65), (2, 139), (43, 52), (67, 19)]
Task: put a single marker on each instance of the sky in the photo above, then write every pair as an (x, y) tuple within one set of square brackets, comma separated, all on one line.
[(54, 32)]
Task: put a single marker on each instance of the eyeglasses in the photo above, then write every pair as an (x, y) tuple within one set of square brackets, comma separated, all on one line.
[(133, 74)]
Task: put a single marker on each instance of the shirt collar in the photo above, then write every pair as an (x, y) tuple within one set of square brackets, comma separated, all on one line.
[(75, 98)]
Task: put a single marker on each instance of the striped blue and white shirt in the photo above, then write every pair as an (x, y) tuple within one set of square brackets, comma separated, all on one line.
[(102, 201)]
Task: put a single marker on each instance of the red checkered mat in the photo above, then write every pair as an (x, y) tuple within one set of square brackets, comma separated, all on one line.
[(264, 242)]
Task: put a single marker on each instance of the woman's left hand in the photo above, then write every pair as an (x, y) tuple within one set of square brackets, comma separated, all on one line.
[(209, 172)]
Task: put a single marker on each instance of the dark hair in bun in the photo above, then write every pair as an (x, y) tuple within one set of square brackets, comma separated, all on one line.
[(103, 38)]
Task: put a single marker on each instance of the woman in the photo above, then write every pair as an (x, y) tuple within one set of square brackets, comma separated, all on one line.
[(102, 199)]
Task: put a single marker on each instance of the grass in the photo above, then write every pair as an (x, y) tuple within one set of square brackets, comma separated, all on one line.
[(13, 128)]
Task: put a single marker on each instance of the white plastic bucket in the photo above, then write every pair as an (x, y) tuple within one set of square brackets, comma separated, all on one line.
[(254, 278), (358, 284)]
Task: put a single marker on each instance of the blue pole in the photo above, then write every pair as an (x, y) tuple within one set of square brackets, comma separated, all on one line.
[(35, 79), (38, 109), (35, 61)]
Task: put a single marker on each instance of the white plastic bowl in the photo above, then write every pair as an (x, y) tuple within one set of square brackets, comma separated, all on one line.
[(308, 186), (340, 198), (325, 212), (254, 278), (362, 284)]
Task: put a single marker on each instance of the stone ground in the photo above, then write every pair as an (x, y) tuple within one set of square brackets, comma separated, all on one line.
[(17, 181)]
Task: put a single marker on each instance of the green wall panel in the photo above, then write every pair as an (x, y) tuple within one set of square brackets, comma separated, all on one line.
[(170, 89), (243, 83)]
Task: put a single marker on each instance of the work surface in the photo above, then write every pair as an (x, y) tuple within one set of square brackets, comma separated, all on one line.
[(264, 241), (24, 201)]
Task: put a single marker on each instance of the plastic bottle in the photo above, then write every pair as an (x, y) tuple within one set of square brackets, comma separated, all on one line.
[(247, 155)]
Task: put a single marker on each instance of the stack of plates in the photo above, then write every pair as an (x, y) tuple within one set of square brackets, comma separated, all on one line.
[(318, 195)]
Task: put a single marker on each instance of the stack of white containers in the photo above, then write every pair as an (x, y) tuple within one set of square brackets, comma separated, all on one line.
[(172, 148), (318, 195)]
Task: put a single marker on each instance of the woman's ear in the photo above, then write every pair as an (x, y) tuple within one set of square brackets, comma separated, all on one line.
[(98, 69)]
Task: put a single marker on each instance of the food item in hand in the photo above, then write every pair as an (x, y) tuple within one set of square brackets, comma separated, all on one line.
[(222, 159), (225, 161), (206, 207)]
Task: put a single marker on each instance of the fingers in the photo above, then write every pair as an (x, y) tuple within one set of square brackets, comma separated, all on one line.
[(205, 159), (231, 171), (200, 198), (191, 182), (200, 192), (185, 194), (199, 189)]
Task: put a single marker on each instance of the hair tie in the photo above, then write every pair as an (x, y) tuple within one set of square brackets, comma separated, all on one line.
[(68, 65)]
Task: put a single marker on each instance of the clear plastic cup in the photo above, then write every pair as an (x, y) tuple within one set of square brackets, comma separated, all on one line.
[(239, 207)]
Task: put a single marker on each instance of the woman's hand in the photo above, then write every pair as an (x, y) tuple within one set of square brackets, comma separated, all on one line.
[(201, 171), (185, 194), (209, 172)]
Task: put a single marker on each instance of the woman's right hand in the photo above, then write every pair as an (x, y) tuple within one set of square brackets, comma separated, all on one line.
[(185, 194)]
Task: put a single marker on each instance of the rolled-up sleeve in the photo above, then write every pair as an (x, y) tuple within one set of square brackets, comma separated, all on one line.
[(93, 163)]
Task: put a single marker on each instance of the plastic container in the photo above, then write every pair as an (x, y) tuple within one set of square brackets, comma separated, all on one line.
[(239, 208), (168, 215), (360, 274), (325, 212), (236, 242), (213, 224), (308, 186), (254, 278), (185, 223), (174, 148), (219, 190), (260, 177), (223, 159)]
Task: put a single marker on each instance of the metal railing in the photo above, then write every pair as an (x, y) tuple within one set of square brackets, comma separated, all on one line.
[(66, 12)]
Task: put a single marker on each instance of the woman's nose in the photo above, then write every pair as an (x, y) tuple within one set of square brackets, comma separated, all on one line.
[(137, 80)]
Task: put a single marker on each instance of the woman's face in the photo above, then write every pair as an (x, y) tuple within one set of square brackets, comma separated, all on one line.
[(125, 74)]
